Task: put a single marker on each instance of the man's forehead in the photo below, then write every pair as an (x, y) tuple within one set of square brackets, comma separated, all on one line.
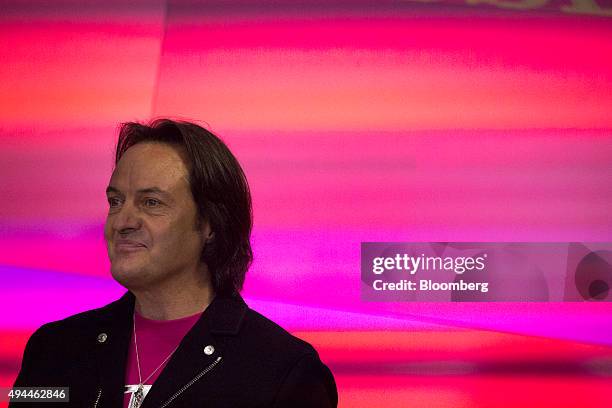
[(149, 166)]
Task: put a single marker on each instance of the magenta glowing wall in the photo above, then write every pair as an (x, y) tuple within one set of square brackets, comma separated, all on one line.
[(354, 121)]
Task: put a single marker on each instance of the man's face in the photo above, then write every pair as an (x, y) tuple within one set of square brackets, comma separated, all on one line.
[(150, 230)]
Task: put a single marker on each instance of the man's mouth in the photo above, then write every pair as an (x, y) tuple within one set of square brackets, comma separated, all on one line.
[(128, 246)]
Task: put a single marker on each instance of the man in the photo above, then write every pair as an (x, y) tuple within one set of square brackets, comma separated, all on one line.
[(177, 235)]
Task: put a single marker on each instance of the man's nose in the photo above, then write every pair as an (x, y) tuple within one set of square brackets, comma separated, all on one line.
[(127, 220)]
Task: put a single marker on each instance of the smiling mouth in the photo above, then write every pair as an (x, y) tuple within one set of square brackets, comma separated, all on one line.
[(129, 247)]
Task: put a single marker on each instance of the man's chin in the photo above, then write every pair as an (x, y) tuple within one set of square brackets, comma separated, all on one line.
[(130, 278)]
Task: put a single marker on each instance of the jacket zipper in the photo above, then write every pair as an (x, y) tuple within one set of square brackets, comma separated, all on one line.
[(190, 383), (97, 398)]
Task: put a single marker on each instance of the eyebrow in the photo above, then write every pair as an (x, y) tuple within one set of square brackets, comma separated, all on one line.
[(150, 190)]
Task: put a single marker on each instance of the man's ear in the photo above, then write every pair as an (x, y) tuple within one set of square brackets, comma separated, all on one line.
[(207, 231)]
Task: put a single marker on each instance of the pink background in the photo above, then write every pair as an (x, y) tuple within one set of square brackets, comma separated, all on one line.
[(354, 121)]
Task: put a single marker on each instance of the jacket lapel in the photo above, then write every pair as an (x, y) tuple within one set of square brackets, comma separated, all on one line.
[(199, 350), (112, 337)]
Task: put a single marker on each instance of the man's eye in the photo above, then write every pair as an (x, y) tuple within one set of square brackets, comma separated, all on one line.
[(113, 202), (151, 202)]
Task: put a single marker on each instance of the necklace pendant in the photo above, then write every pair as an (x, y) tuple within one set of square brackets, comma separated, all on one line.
[(139, 392), (138, 397)]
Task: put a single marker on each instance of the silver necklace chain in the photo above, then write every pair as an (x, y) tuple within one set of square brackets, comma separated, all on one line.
[(138, 357)]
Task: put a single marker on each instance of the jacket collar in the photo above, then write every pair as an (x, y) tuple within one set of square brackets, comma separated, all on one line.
[(225, 312), (221, 319)]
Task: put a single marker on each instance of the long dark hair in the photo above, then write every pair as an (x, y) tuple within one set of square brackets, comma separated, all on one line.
[(220, 191)]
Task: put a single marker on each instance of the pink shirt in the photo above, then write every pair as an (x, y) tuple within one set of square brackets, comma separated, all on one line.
[(156, 340)]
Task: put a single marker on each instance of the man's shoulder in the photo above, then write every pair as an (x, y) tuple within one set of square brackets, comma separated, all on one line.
[(81, 322), (291, 362), (269, 335)]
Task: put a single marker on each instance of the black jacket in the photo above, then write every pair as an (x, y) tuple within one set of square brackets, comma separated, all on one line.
[(255, 362)]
